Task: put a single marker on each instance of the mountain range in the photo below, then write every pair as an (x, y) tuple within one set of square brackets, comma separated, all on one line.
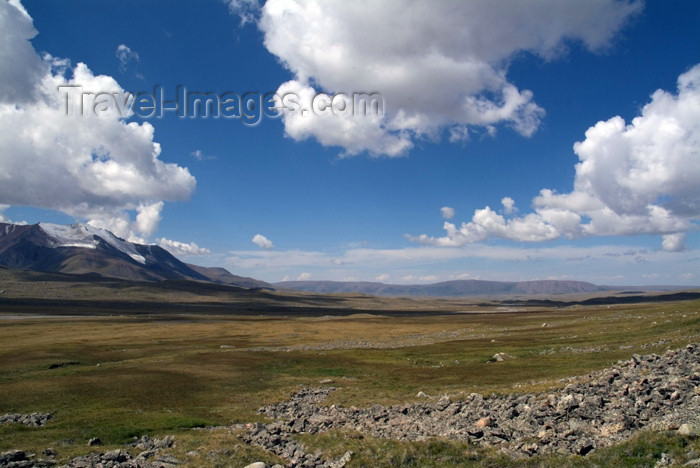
[(455, 288), (86, 250)]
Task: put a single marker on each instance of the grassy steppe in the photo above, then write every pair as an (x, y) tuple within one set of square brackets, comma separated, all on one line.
[(125, 376)]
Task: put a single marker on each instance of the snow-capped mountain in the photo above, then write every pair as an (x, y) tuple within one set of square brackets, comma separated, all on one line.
[(82, 235), (82, 249)]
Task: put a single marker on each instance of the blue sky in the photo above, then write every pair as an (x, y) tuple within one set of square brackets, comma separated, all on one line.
[(484, 102)]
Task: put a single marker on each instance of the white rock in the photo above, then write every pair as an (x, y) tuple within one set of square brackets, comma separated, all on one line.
[(689, 430)]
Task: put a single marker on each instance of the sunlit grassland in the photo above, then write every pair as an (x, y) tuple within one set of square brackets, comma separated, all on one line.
[(126, 376)]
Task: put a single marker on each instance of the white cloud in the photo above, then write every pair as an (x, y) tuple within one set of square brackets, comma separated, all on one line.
[(200, 156), (180, 248), (464, 276), (508, 205), (247, 10), (487, 223), (637, 178), (93, 166), (262, 242), (601, 264), (20, 67), (270, 259), (438, 65), (148, 217), (303, 277), (354, 133), (674, 242), (125, 56), (447, 212)]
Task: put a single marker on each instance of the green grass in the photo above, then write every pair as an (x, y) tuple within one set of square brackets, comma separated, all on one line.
[(643, 450), (146, 375)]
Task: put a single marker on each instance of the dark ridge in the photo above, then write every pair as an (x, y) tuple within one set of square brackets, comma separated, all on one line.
[(607, 300)]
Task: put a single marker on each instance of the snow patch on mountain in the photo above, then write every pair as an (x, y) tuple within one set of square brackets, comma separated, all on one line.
[(84, 236)]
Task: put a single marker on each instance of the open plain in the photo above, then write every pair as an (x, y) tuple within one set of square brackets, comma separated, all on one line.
[(197, 364)]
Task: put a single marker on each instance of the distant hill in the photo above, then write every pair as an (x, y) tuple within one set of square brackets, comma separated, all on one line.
[(223, 276), (445, 289), (83, 249)]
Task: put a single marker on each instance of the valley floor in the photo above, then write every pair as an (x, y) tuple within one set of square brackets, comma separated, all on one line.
[(120, 378)]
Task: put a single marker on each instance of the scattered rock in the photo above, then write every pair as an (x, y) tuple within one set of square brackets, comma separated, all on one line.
[(665, 460), (166, 461), (500, 357), (326, 381), (12, 456), (145, 442), (347, 456), (151, 457), (31, 419), (689, 430), (483, 422), (22, 459), (257, 465), (94, 441), (594, 411)]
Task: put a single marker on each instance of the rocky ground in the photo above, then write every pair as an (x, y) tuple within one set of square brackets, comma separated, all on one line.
[(658, 392), (148, 449), (31, 419)]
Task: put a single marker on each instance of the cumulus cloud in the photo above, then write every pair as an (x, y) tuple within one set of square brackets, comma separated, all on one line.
[(262, 242), (487, 223), (636, 178), (20, 67), (180, 248), (382, 278), (91, 165), (125, 56), (303, 276), (447, 212), (438, 65), (674, 242), (508, 205), (354, 133)]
